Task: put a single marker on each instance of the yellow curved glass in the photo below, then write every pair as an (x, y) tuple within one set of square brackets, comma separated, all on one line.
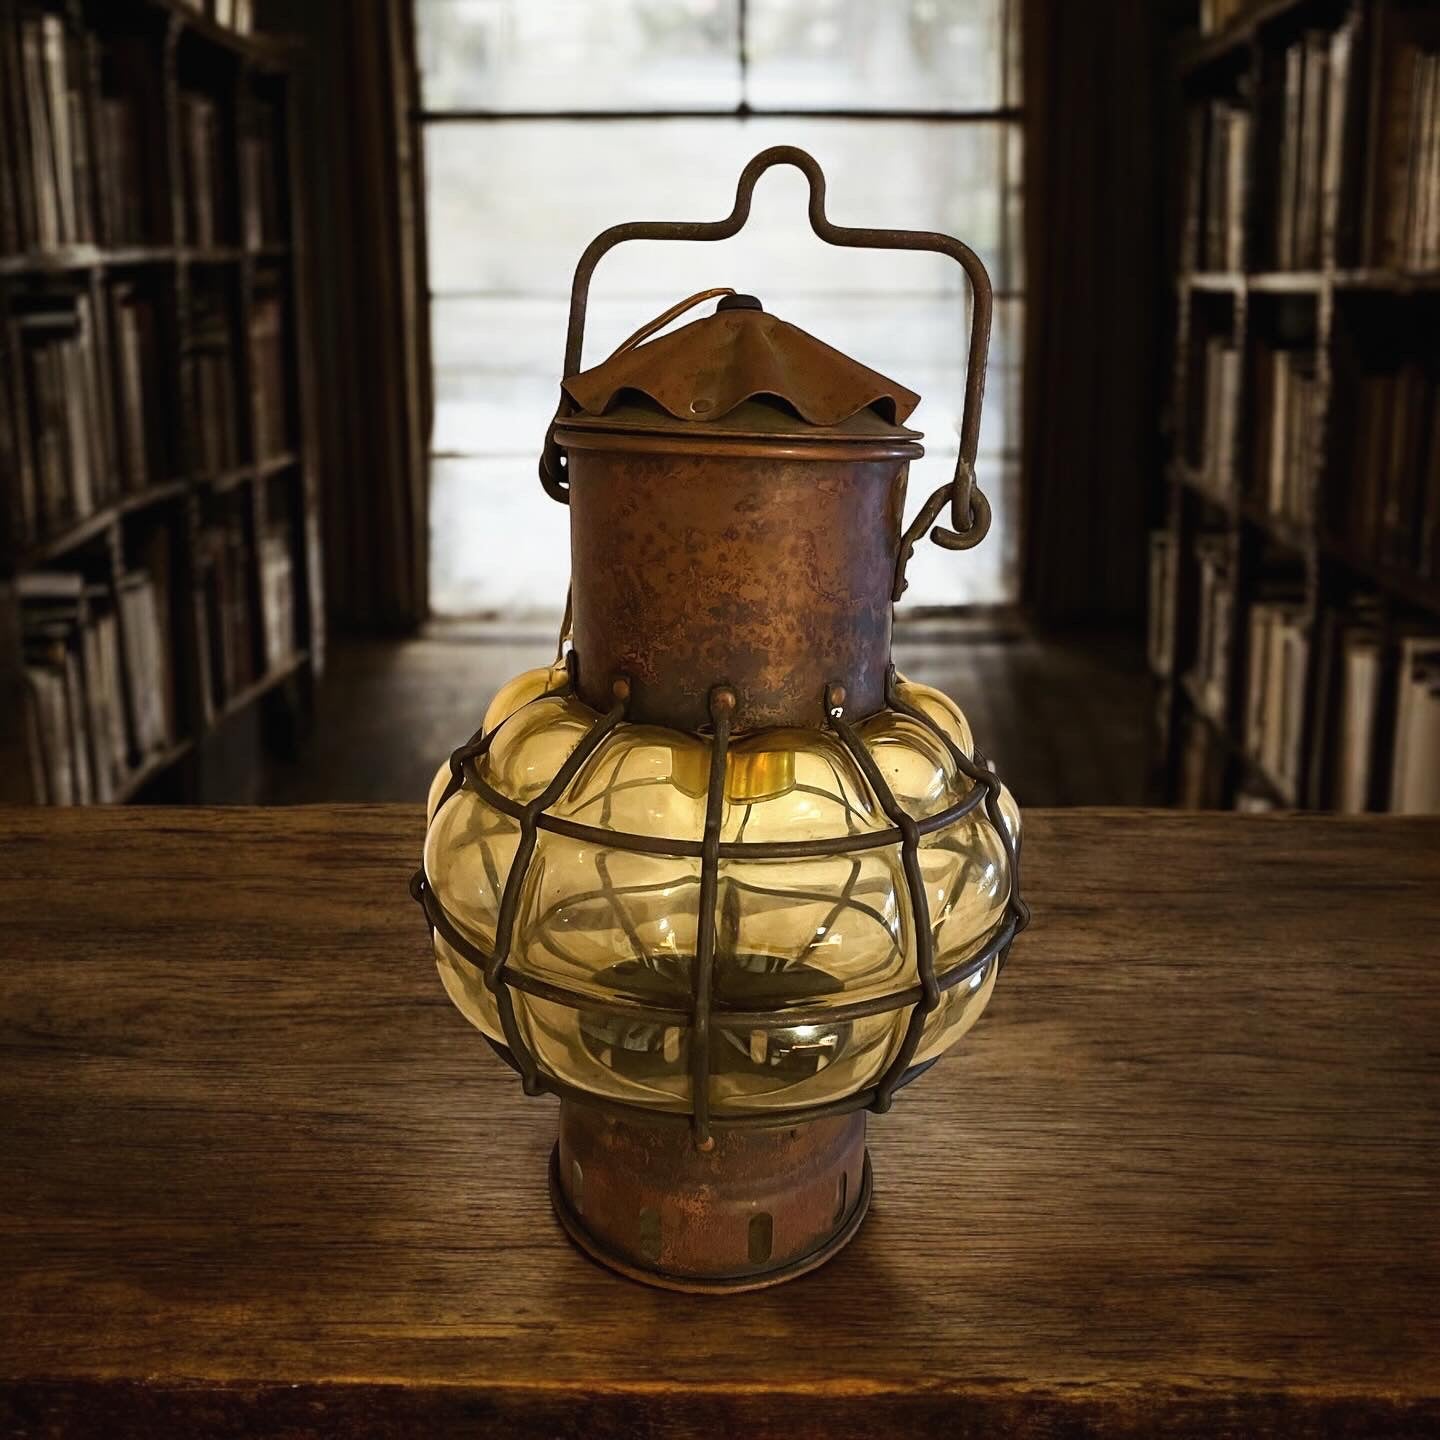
[(795, 785), (437, 788), (617, 929), (608, 923), (915, 762), (642, 780), (467, 990), (527, 686), (468, 853), (534, 743), (940, 708)]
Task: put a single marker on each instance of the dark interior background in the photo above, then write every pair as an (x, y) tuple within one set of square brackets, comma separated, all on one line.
[(220, 373)]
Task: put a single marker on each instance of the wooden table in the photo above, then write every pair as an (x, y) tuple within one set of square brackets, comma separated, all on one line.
[(260, 1177)]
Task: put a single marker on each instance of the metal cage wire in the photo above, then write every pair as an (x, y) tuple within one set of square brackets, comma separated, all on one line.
[(921, 998)]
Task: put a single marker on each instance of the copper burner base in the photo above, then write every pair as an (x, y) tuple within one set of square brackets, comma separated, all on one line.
[(760, 1208)]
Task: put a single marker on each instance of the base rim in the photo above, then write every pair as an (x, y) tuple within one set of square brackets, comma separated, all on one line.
[(700, 1285)]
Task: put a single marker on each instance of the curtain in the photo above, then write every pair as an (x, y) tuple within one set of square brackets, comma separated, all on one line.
[(1094, 315), (364, 186)]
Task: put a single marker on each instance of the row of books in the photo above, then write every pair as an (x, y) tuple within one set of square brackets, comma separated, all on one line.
[(97, 682), (1217, 15), (1342, 170), (214, 382), (1390, 507), (226, 613), (1218, 167), (1354, 675), (205, 220), (237, 15), (1403, 211), (84, 426), (45, 136), (1219, 418), (55, 426), (1286, 433), (1312, 110), (86, 423), (81, 164)]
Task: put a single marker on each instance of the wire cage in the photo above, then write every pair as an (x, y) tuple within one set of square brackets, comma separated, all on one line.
[(702, 1015)]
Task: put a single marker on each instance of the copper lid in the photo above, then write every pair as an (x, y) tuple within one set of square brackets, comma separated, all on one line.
[(740, 374)]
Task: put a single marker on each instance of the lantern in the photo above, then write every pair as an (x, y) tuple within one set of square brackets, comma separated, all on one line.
[(720, 879)]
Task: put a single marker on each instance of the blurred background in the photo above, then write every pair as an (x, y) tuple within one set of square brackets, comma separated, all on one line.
[(283, 290)]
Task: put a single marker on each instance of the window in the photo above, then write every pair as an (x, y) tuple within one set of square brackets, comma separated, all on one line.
[(547, 120)]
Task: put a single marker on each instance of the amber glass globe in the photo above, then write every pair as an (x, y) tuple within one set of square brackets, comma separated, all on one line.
[(614, 932)]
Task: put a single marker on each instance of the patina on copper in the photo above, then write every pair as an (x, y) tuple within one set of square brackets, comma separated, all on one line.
[(758, 1207), (773, 576), (737, 494)]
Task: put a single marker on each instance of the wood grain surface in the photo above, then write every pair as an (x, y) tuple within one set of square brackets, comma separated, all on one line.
[(257, 1175)]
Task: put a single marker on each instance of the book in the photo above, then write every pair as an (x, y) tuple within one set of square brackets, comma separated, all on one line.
[(1360, 671), (260, 190), (212, 434), (1315, 91), (139, 419), (200, 142), (122, 192), (1415, 780), (1217, 185), (277, 580), (225, 605), (146, 657), (52, 618), (1161, 628), (42, 167), (1210, 672), (1285, 456), (267, 374), (1340, 162), (1275, 699), (1219, 429)]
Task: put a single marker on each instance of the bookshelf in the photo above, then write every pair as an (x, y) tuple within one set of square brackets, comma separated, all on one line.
[(159, 541), (1295, 571)]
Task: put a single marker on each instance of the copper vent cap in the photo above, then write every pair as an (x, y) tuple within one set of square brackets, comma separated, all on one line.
[(740, 372)]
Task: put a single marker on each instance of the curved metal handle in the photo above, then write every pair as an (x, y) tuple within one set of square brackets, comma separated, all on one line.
[(969, 511)]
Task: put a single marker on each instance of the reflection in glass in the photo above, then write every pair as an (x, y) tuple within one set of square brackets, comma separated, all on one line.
[(603, 930)]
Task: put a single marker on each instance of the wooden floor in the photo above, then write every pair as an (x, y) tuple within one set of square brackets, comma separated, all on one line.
[(1064, 723)]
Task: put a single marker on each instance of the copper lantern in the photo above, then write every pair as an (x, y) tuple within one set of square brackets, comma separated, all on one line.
[(720, 879)]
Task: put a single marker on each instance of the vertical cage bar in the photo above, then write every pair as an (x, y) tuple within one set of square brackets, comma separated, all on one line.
[(510, 899), (919, 901), (978, 774), (722, 707)]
